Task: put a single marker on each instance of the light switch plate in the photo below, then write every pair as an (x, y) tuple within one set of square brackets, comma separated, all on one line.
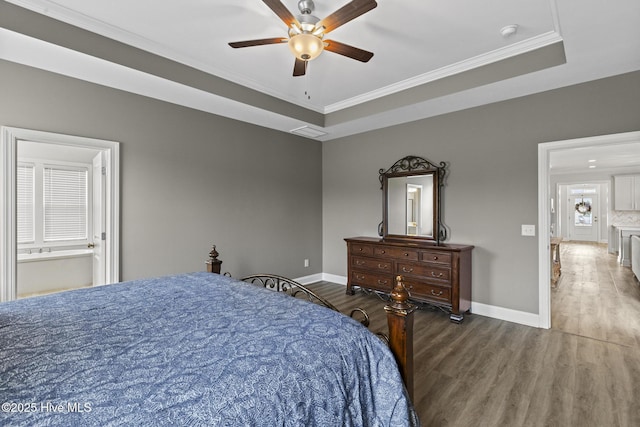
[(528, 230)]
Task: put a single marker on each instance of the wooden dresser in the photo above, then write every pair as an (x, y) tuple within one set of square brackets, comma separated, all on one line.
[(434, 274)]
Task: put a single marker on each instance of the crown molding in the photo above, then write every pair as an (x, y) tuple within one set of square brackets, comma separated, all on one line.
[(72, 17), (510, 51)]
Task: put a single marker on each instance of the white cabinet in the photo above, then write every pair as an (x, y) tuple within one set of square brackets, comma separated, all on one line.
[(624, 243), (626, 192)]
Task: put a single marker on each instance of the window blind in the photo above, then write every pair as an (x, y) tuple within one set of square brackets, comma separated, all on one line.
[(65, 204), (25, 203)]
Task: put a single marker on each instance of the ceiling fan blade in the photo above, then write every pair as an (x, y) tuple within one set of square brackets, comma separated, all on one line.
[(283, 13), (346, 13), (258, 42), (299, 68), (348, 51)]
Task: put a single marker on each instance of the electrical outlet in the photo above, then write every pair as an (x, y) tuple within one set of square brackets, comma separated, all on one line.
[(306, 262), (528, 230)]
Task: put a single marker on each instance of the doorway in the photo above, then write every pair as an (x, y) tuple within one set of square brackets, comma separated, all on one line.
[(583, 217), (100, 244), (545, 202), (583, 211)]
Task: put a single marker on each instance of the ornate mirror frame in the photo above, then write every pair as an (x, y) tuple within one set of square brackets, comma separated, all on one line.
[(413, 166)]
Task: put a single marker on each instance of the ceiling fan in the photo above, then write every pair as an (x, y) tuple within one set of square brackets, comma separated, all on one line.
[(306, 32)]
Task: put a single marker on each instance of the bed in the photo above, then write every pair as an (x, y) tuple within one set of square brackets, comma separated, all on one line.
[(192, 349)]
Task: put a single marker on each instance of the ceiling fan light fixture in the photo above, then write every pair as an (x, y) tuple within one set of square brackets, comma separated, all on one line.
[(306, 46)]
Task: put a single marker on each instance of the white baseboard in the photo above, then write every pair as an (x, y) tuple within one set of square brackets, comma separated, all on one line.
[(322, 277), (333, 278), (514, 316), (313, 278), (495, 312)]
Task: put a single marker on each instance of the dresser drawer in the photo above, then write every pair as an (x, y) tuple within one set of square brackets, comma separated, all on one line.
[(357, 249), (397, 253), (437, 274), (438, 257), (424, 271), (428, 291), (371, 264), (381, 282)]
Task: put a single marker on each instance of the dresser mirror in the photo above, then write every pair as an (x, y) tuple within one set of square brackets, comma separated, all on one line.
[(411, 200)]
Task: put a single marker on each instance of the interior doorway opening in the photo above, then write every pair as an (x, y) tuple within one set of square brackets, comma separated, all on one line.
[(60, 204), (59, 241), (547, 200)]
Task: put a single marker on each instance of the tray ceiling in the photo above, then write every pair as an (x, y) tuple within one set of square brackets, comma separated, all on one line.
[(429, 57)]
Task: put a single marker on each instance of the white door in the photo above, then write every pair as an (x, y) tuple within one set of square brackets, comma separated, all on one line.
[(583, 217), (98, 232)]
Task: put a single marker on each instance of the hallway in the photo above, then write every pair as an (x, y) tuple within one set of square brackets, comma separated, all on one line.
[(596, 297)]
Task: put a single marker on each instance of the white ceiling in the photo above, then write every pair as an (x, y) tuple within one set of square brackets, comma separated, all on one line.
[(618, 158), (409, 39), (415, 44)]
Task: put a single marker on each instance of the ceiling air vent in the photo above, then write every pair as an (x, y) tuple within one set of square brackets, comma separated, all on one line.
[(308, 132)]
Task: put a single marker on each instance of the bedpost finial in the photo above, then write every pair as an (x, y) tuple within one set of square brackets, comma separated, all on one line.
[(214, 264), (400, 297), (214, 253), (399, 294)]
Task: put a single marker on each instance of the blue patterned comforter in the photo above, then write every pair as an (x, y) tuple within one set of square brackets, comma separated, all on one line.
[(192, 349)]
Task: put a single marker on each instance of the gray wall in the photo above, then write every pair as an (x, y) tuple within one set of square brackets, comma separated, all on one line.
[(492, 184), (188, 179), (269, 199)]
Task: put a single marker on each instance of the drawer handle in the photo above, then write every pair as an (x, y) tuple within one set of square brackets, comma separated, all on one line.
[(358, 262), (435, 258), (407, 270), (406, 254), (433, 274), (360, 249), (384, 266), (434, 294), (383, 251), (382, 282), (359, 277)]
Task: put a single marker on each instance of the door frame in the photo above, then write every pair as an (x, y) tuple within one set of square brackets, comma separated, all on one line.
[(9, 138), (544, 220)]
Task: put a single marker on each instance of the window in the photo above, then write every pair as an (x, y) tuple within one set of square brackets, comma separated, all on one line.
[(582, 214), (25, 202), (65, 204), (52, 204)]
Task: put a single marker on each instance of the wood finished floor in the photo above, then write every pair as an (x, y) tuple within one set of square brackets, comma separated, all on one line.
[(585, 371)]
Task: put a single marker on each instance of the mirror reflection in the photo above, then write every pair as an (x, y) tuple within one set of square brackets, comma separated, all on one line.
[(411, 200), (410, 205)]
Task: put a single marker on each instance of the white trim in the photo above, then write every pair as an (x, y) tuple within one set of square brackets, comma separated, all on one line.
[(510, 51), (306, 280), (8, 245), (341, 280), (48, 256), (544, 151), (515, 316), (8, 159)]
